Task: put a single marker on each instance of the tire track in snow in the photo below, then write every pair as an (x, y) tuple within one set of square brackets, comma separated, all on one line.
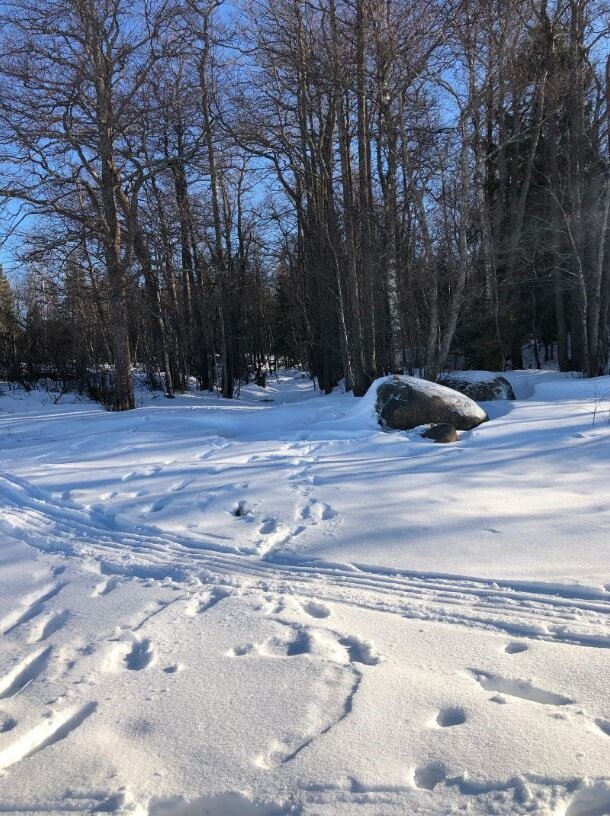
[(560, 613)]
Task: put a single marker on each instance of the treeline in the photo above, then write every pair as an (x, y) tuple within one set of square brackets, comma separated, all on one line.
[(360, 186)]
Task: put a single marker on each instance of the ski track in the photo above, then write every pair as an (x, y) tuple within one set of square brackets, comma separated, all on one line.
[(568, 614), (50, 731)]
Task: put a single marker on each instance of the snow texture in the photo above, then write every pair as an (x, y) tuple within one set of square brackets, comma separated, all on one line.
[(275, 607)]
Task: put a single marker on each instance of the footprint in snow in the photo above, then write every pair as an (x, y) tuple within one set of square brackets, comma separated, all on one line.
[(516, 648), (181, 485), (315, 609), (272, 534), (360, 651), (322, 644), (206, 601), (268, 526), (519, 688), (141, 656), (160, 504), (7, 723), (450, 717), (427, 777), (241, 509), (603, 725), (275, 647), (316, 511)]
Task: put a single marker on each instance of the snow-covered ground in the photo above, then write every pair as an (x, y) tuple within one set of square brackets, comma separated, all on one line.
[(271, 606)]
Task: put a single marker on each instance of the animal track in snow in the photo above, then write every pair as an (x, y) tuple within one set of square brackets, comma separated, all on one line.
[(141, 655), (51, 730), (268, 526), (199, 605), (315, 609), (273, 533), (519, 688), (160, 504), (316, 511), (241, 509), (300, 645), (24, 673), (360, 651), (7, 723), (603, 725), (276, 647), (322, 644), (427, 777), (516, 648), (448, 717)]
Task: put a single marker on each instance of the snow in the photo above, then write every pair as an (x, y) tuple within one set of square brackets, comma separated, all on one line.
[(276, 607)]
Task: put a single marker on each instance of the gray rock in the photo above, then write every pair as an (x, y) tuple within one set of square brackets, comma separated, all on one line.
[(406, 402), (445, 432), (481, 389)]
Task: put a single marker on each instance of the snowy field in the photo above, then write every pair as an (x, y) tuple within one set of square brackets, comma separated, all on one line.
[(271, 606)]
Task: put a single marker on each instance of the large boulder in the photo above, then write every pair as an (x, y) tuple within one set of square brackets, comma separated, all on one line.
[(482, 386), (406, 402), (445, 432)]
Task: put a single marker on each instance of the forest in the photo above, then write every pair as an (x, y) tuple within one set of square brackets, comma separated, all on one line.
[(204, 191)]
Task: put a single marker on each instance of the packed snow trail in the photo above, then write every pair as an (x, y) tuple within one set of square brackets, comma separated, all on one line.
[(221, 608)]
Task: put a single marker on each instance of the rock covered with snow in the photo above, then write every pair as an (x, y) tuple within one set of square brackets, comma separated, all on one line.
[(406, 402), (481, 386)]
